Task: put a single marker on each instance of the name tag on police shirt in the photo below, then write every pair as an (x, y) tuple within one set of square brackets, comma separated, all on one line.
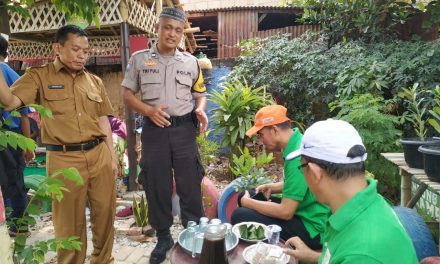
[(56, 86)]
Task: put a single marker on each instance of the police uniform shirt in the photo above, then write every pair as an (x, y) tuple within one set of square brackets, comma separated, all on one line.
[(173, 82), (76, 102)]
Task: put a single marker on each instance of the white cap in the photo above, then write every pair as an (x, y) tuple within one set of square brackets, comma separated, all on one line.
[(331, 140)]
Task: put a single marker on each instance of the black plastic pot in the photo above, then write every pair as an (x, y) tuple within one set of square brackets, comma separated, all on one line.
[(431, 161), (413, 157)]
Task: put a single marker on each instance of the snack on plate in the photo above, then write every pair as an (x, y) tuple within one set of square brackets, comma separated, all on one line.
[(252, 232), (274, 256), (260, 251), (267, 254)]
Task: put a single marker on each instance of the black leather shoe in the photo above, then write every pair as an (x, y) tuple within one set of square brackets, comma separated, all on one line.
[(159, 253)]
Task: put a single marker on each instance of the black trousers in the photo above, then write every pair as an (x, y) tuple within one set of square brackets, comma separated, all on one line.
[(12, 165), (168, 152), (290, 228)]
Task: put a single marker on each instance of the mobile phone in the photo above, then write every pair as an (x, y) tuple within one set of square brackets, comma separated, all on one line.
[(259, 196)]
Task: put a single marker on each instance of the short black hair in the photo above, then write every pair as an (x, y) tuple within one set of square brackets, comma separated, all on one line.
[(63, 32), (3, 47), (283, 126), (338, 171)]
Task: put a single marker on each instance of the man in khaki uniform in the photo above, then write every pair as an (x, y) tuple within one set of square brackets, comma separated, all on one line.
[(73, 138), (169, 81)]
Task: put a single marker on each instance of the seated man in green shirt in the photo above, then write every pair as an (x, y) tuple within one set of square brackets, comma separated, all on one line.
[(297, 212), (363, 227)]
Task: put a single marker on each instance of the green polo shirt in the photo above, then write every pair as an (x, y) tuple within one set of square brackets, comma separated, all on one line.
[(312, 213), (366, 230)]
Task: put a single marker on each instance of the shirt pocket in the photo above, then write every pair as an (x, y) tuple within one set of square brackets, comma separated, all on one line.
[(183, 87), (93, 102), (151, 87), (57, 100)]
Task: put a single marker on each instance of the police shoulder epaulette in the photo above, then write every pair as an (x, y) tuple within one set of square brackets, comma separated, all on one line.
[(187, 54), (140, 51)]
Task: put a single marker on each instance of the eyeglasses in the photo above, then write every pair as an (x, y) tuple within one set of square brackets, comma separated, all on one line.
[(302, 166)]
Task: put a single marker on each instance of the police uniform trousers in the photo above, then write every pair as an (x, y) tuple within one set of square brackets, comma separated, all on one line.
[(68, 215), (167, 152)]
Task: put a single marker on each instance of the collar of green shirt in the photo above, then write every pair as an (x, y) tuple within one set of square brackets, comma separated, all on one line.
[(355, 206), (294, 142)]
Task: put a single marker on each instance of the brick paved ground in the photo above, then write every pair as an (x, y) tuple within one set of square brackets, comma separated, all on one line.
[(125, 251)]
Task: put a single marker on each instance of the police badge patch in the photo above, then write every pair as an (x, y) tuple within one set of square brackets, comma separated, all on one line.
[(130, 62)]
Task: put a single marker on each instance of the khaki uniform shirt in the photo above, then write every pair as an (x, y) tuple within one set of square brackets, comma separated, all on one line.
[(173, 82), (76, 103)]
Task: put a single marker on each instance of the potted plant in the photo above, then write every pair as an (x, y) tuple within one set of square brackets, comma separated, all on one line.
[(142, 230), (416, 102), (431, 153), (250, 173)]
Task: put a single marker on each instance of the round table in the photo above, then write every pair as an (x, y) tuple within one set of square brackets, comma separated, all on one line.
[(178, 255)]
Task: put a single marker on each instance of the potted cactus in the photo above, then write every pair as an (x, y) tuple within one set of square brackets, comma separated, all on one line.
[(415, 99)]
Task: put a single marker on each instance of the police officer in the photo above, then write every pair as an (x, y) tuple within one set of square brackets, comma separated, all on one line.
[(169, 81), (74, 138)]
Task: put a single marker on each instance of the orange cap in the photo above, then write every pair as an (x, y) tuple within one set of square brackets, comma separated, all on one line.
[(268, 116)]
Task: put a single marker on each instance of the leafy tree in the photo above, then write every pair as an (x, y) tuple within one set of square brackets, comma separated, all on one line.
[(370, 115), (368, 20), (86, 9)]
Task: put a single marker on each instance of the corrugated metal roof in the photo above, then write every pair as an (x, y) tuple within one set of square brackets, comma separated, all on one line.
[(239, 8)]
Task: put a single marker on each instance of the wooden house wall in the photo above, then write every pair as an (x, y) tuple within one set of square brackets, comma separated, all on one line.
[(294, 31), (235, 26)]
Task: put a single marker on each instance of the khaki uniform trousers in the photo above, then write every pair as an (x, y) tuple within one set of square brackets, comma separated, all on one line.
[(69, 214)]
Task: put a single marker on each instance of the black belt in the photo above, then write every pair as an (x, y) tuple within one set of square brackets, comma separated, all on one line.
[(77, 147), (174, 120)]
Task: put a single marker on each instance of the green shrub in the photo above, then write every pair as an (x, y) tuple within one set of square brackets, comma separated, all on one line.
[(366, 20), (435, 112), (237, 104), (50, 187), (369, 115), (306, 76), (208, 149), (249, 169), (417, 101)]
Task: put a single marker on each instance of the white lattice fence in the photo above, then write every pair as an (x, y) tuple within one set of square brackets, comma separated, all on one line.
[(105, 46), (42, 17), (30, 50), (45, 17), (141, 17), (110, 13), (99, 47)]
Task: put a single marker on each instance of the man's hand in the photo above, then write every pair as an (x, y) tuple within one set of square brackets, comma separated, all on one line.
[(246, 196), (203, 119), (265, 189), (158, 116), (299, 250), (28, 155)]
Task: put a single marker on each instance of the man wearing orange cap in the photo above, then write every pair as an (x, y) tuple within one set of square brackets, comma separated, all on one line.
[(298, 213)]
